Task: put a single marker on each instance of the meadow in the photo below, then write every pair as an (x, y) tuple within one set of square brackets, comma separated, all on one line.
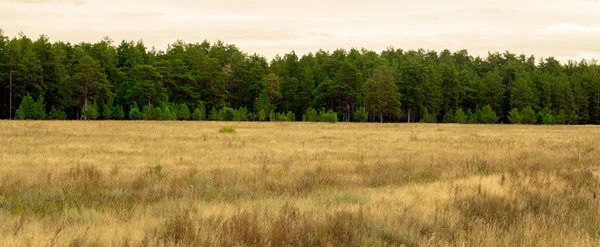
[(134, 183)]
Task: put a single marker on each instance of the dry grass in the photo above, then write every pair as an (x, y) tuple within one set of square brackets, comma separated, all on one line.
[(297, 184)]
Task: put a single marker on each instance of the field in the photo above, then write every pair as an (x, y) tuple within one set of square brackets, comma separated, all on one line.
[(107, 183)]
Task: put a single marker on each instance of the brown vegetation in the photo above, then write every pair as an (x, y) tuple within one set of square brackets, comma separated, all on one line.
[(297, 184)]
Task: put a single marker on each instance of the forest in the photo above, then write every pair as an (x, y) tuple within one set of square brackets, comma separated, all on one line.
[(41, 79)]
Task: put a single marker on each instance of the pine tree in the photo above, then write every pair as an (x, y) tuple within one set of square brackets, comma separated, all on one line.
[(488, 116), (184, 112), (460, 116), (514, 116), (528, 115)]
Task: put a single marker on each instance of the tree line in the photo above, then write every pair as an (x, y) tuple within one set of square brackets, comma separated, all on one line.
[(217, 81)]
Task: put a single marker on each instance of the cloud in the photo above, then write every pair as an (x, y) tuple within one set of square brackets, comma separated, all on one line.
[(568, 29)]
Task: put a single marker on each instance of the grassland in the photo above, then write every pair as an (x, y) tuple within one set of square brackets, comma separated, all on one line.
[(297, 184)]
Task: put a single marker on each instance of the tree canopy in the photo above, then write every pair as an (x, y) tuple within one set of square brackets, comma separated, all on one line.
[(199, 80)]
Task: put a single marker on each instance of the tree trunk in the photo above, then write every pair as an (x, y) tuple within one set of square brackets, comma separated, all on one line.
[(10, 96), (381, 117), (85, 105), (149, 99), (409, 115)]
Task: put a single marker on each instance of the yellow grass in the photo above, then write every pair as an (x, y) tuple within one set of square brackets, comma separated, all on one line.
[(185, 183)]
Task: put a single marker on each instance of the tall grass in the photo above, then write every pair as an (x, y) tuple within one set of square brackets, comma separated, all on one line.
[(275, 184)]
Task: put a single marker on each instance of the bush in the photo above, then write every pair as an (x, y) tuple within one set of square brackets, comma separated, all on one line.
[(134, 112), (561, 118), (225, 114), (528, 115), (147, 112), (428, 118), (184, 112), (539, 118), (199, 112), (488, 116), (157, 114), (460, 116), (449, 117), (361, 115), (240, 114), (118, 112), (283, 117), (30, 109), (472, 118), (311, 115), (514, 116), (329, 116), (57, 114), (227, 130), (549, 119), (91, 112)]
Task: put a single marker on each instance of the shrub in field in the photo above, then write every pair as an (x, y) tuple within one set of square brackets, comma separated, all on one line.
[(225, 114), (118, 112), (449, 117), (200, 112), (240, 114), (528, 115), (311, 115), (561, 117), (329, 116), (361, 115), (227, 130), (428, 118), (488, 116), (549, 119), (56, 114), (514, 116), (184, 112), (134, 112), (91, 112), (30, 109), (460, 116)]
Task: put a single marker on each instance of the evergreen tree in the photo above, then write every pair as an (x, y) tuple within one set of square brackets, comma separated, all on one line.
[(460, 116), (528, 116), (361, 115), (381, 94), (514, 116)]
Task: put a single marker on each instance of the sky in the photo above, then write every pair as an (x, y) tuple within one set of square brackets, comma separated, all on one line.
[(564, 29)]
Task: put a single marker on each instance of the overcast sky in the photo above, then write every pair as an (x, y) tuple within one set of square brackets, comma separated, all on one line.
[(565, 29)]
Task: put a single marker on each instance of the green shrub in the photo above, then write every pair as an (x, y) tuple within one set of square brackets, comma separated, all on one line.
[(528, 115), (147, 112), (561, 118), (225, 114), (56, 114), (361, 115), (428, 118), (514, 116), (118, 112), (184, 112), (227, 130), (241, 114), (460, 116), (488, 116), (448, 117), (549, 119), (134, 112), (91, 112), (311, 115), (157, 114), (199, 112), (30, 109), (329, 116)]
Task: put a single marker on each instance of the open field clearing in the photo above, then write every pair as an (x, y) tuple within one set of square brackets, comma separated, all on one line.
[(297, 184)]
